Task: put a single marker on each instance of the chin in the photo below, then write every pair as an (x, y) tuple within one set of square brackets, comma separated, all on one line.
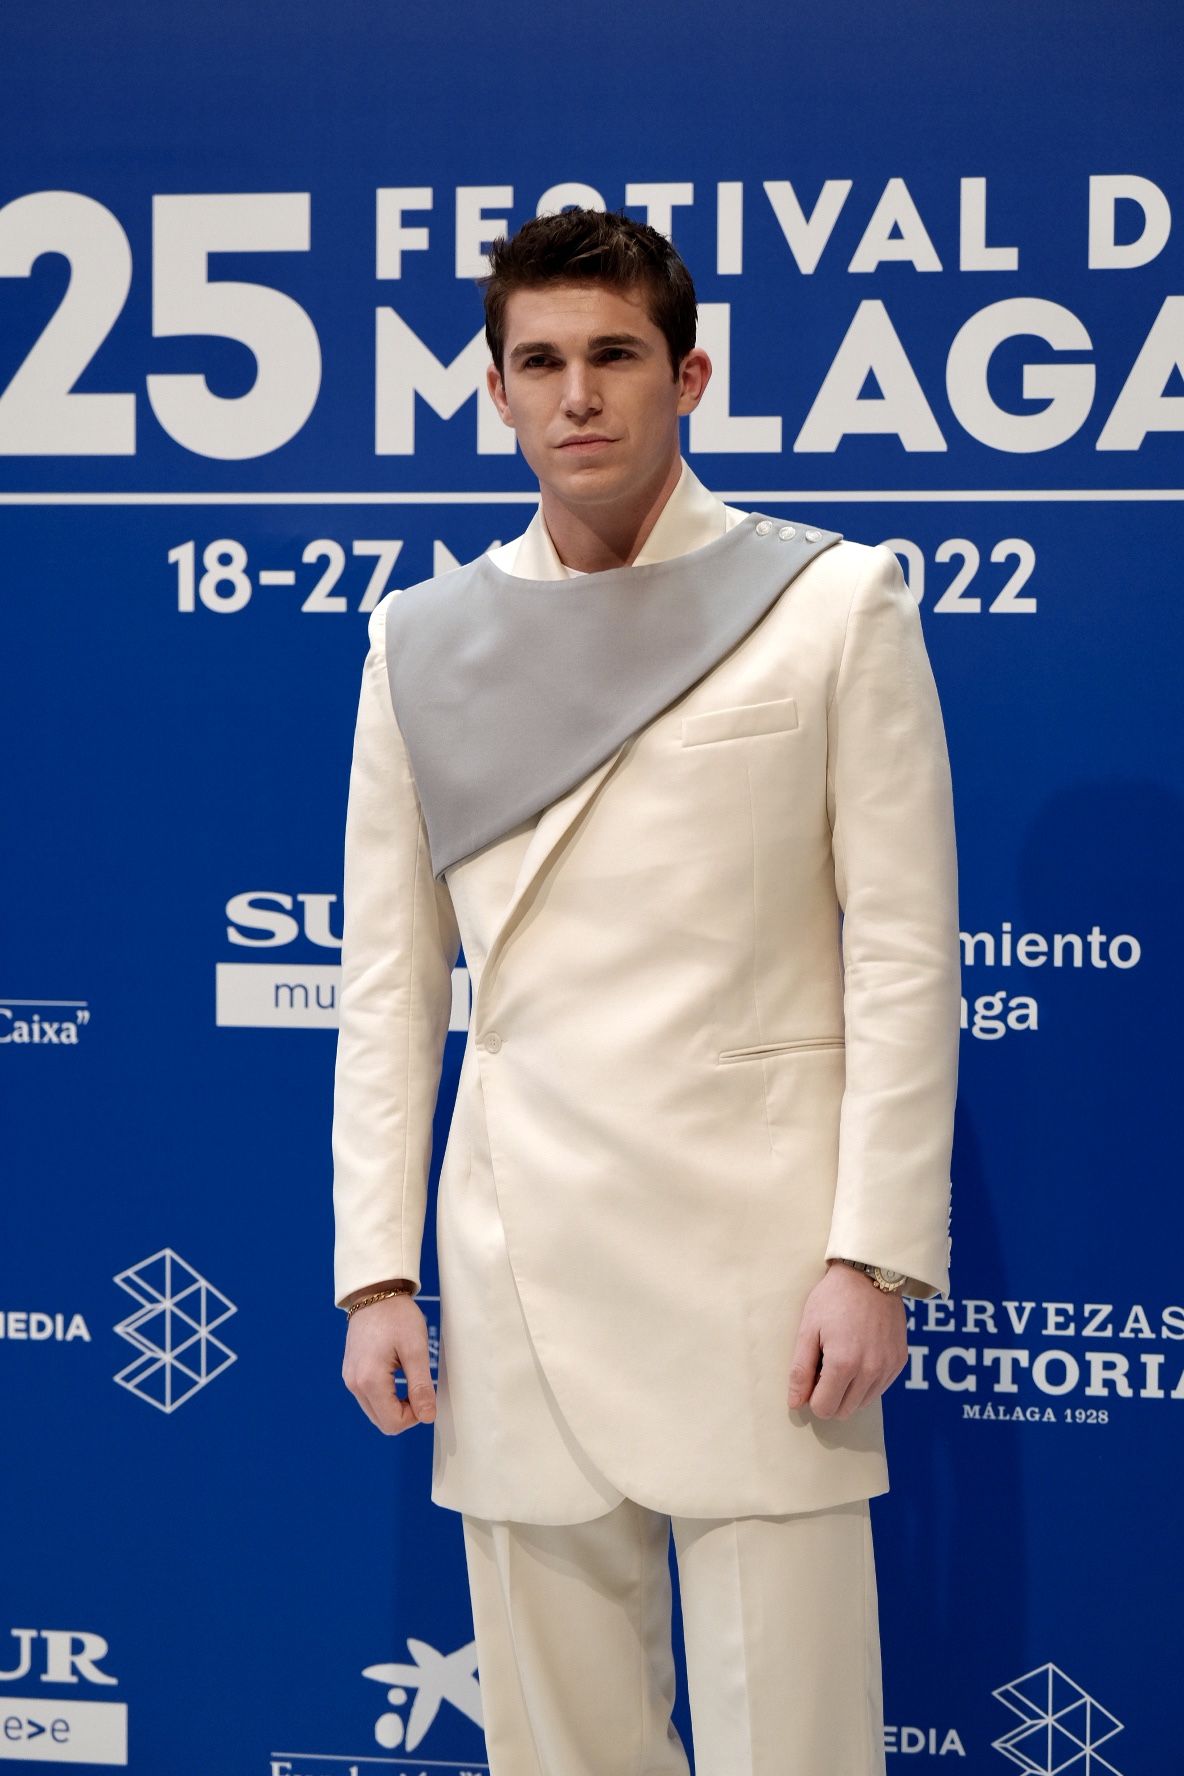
[(581, 466), (592, 476)]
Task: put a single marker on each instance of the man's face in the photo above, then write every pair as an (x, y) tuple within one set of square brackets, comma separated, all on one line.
[(584, 361)]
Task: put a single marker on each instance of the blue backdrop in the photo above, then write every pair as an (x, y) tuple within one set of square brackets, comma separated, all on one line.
[(241, 364)]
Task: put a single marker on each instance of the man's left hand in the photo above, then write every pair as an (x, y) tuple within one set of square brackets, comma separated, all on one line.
[(860, 1332)]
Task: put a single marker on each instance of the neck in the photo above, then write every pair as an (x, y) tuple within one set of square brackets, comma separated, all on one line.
[(594, 538)]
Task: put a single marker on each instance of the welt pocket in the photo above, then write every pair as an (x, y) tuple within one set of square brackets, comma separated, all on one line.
[(777, 717), (760, 1050)]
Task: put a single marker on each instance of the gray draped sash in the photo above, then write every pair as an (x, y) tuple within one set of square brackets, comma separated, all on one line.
[(509, 691)]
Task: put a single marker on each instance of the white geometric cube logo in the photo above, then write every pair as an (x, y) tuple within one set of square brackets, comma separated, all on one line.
[(173, 1330), (1061, 1726)]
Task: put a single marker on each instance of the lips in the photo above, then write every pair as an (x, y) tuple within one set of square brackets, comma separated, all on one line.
[(584, 443)]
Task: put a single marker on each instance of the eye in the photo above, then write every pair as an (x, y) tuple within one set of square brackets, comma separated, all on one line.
[(609, 350)]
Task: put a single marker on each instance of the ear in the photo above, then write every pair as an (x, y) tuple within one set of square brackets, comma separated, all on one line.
[(694, 375), (497, 394)]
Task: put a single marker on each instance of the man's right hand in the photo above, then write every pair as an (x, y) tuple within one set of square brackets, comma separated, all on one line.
[(385, 1336)]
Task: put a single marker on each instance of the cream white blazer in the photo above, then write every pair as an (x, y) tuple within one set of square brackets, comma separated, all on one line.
[(713, 1042)]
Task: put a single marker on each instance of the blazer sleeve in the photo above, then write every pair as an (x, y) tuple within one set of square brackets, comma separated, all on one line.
[(399, 945), (890, 807)]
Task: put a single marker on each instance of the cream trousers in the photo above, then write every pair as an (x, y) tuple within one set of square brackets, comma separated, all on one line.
[(780, 1626)]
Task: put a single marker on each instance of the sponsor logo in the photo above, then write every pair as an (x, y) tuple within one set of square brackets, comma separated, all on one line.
[(435, 1678), (416, 1690), (1060, 1727), (1047, 1362), (43, 1023), (1094, 948), (287, 993), (48, 1730), (173, 1329), (933, 1741), (37, 1325), (990, 1016)]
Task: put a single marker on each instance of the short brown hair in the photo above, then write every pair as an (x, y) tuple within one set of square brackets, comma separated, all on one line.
[(604, 246)]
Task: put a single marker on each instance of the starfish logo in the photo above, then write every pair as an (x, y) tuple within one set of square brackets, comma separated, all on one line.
[(435, 1677), (1061, 1725), (173, 1330)]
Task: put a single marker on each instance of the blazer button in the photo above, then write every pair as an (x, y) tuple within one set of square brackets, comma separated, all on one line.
[(763, 528), (493, 1042)]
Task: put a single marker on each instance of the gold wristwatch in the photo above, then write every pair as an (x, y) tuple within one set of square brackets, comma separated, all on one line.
[(891, 1281)]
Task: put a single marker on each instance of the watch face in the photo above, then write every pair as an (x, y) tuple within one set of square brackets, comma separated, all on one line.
[(891, 1276)]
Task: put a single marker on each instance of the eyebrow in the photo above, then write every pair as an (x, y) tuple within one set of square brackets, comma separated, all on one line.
[(595, 343)]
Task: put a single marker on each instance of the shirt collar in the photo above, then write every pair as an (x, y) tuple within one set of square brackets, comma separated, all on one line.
[(691, 517)]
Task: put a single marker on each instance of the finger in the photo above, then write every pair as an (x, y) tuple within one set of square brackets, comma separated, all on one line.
[(375, 1415), (850, 1399), (420, 1393), (383, 1405), (803, 1369), (831, 1388), (861, 1391), (415, 1362)]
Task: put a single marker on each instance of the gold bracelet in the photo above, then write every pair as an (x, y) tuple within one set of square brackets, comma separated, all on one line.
[(379, 1295)]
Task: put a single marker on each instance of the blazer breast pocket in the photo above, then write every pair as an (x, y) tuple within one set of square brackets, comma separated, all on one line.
[(743, 719)]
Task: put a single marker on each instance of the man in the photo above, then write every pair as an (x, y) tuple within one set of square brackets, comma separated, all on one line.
[(676, 776)]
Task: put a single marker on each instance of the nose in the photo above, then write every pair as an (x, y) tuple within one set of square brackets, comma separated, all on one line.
[(580, 397)]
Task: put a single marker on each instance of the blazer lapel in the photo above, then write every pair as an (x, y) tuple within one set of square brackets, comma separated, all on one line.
[(552, 827)]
